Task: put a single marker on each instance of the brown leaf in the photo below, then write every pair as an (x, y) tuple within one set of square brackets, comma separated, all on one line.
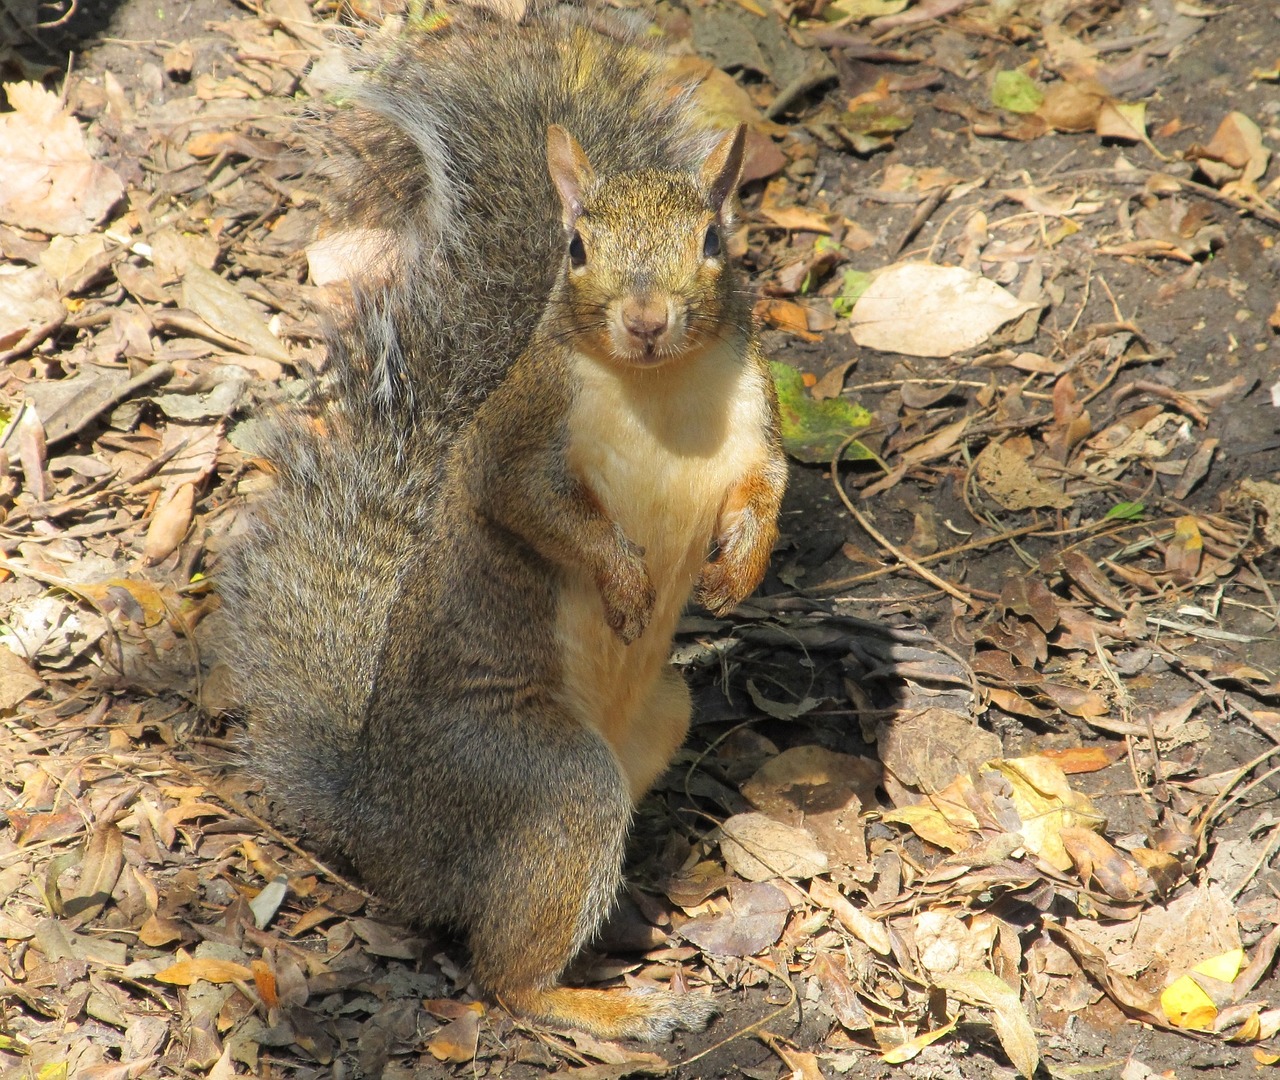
[(1009, 478), (99, 872), (169, 524), (1087, 575), (457, 1041), (838, 993), (1096, 860), (821, 790), (30, 309), (756, 916), (18, 680), (1084, 759), (691, 887), (871, 933), (928, 748), (758, 848)]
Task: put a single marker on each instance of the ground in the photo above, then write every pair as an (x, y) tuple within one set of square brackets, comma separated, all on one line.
[(977, 777)]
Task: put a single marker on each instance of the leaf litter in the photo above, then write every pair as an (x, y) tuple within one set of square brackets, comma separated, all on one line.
[(1028, 798)]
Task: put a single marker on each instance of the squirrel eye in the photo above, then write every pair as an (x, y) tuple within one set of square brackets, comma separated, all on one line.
[(711, 245), (577, 250)]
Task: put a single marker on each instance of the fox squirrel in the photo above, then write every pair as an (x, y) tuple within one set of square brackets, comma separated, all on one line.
[(450, 620)]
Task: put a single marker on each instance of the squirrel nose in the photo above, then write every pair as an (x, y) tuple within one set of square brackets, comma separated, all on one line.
[(646, 318)]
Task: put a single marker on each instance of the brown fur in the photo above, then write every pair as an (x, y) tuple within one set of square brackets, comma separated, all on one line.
[(453, 638)]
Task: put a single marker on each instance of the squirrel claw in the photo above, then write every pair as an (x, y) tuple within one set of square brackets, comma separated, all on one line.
[(628, 603)]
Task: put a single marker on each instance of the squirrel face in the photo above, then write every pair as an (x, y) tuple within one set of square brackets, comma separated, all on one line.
[(646, 278)]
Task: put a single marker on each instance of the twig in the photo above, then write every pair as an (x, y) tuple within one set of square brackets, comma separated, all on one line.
[(937, 556), (906, 560)]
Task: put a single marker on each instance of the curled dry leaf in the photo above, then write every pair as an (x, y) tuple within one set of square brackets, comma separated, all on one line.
[(457, 1040), (169, 524), (185, 972), (1235, 153), (1013, 1027), (99, 872), (1188, 1002), (872, 934), (224, 308)]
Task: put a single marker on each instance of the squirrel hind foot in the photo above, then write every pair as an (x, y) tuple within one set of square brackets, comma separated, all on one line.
[(650, 1015)]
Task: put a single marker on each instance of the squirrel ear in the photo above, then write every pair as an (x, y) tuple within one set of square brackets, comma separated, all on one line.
[(570, 170), (722, 171)]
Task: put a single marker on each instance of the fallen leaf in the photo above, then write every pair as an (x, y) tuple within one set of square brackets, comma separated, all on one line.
[(207, 968), (756, 916), (228, 311), (456, 1042), (1013, 1026), (1009, 478), (48, 179), (1185, 1002), (18, 680), (30, 308), (921, 309), (812, 430), (1016, 91), (758, 848), (169, 524)]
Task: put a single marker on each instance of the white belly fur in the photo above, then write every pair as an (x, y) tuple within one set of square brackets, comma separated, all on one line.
[(661, 450)]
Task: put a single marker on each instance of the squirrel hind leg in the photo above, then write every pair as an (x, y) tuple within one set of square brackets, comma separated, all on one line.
[(614, 1014), (553, 875)]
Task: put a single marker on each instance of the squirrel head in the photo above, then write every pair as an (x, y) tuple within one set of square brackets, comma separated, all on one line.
[(646, 277)]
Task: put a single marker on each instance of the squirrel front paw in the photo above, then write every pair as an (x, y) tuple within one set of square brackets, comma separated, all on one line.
[(739, 564), (627, 592)]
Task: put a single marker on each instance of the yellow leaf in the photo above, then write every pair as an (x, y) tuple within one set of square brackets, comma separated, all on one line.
[(928, 824), (185, 972), (909, 1049), (1185, 1002), (1047, 803)]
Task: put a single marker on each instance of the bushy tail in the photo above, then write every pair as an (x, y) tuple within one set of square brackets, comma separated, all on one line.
[(438, 156), (306, 593)]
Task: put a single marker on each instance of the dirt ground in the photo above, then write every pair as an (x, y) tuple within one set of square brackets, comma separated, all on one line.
[(980, 774)]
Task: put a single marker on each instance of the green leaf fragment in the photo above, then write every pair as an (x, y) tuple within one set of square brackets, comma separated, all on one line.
[(812, 431), (1126, 511), (852, 285), (1016, 92)]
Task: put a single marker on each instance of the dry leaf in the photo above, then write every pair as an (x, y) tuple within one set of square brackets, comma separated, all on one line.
[(30, 309), (758, 848), (18, 680), (1013, 1026), (1008, 477), (756, 916), (48, 179), (925, 310), (186, 972), (456, 1042), (169, 524)]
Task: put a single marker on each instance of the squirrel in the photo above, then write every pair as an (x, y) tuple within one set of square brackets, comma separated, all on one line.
[(548, 424)]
